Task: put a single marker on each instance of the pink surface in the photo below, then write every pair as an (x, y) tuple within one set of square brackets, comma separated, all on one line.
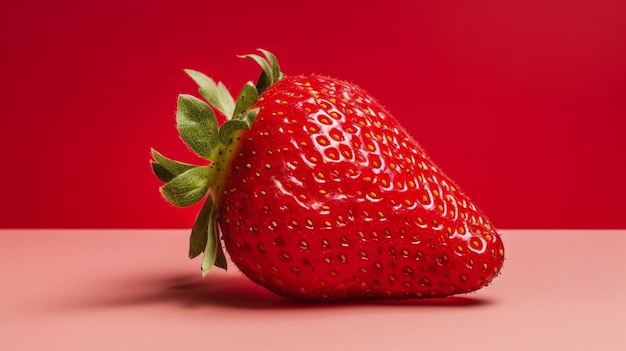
[(135, 289)]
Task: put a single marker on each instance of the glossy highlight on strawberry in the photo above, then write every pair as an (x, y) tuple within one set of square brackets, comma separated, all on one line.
[(320, 194)]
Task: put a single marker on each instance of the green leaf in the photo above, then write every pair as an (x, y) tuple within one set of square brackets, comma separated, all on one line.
[(220, 258), (251, 115), (276, 74), (174, 167), (265, 80), (197, 125), (226, 100), (200, 235), (161, 172), (200, 229), (247, 97), (211, 248), (188, 187), (229, 128), (215, 94)]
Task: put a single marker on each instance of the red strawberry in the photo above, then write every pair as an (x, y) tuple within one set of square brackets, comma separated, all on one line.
[(320, 194)]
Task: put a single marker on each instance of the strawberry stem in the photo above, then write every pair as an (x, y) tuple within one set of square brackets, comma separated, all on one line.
[(187, 184)]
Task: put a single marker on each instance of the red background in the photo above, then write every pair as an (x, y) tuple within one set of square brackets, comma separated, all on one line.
[(522, 102)]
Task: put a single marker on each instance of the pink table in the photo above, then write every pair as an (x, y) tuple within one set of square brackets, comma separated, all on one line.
[(135, 289)]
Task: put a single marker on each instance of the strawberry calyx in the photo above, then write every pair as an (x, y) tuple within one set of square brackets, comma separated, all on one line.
[(187, 184)]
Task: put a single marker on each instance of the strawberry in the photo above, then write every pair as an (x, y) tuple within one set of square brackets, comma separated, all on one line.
[(320, 194)]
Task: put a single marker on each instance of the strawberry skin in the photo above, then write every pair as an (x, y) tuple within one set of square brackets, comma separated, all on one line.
[(331, 198), (325, 196)]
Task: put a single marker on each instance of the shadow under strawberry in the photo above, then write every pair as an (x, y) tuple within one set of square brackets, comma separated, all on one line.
[(237, 292)]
